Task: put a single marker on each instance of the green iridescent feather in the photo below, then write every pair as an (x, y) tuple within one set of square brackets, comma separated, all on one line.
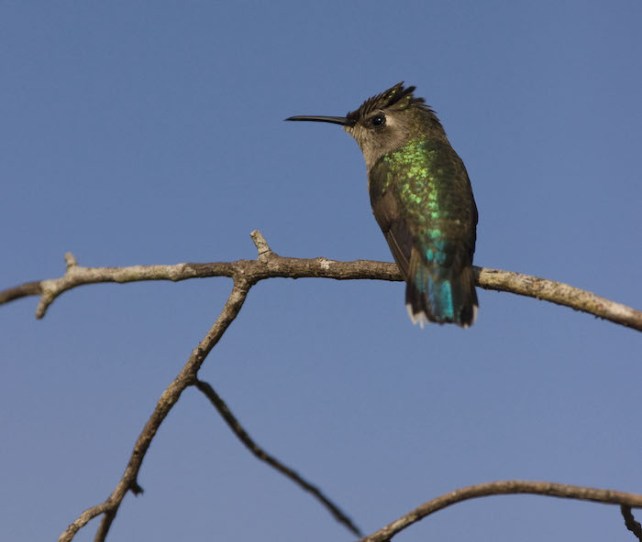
[(422, 200)]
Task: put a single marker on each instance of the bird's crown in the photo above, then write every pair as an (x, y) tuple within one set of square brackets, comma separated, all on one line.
[(396, 98)]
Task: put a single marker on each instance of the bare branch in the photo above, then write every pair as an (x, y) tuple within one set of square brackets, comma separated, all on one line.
[(509, 487), (23, 290), (629, 521), (268, 264), (186, 377), (560, 294), (261, 454), (271, 265)]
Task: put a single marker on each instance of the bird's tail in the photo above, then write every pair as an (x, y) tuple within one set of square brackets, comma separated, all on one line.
[(441, 294)]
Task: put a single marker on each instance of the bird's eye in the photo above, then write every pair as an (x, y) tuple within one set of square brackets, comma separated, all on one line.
[(379, 120)]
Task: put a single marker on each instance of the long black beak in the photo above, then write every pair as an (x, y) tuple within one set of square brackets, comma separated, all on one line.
[(343, 121)]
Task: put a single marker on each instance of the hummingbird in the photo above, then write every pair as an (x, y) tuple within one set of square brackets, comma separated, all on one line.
[(421, 198)]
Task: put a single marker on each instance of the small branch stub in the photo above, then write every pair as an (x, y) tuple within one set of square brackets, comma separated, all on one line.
[(261, 245), (70, 260)]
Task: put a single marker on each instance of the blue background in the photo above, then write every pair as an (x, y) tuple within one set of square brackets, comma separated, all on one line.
[(152, 132)]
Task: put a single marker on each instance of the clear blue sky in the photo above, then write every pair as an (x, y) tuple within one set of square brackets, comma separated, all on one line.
[(152, 132)]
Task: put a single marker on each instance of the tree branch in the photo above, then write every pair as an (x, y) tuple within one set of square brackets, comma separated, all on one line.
[(246, 273), (271, 265), (629, 521), (510, 487), (261, 454), (186, 377), (560, 294)]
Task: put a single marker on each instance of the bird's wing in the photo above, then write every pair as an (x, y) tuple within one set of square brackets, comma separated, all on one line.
[(386, 210)]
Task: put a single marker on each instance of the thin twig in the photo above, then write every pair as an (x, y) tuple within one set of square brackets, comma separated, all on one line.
[(629, 521), (271, 265), (236, 427), (510, 487)]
